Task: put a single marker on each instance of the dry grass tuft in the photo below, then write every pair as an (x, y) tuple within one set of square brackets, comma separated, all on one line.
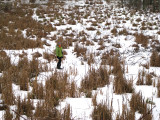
[(102, 112), (144, 78), (158, 89), (121, 85), (48, 56), (24, 107), (137, 103), (95, 79), (80, 51), (126, 114), (154, 59), (141, 39), (5, 62)]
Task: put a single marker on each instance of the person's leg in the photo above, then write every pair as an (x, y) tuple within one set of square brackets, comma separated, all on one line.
[(60, 62)]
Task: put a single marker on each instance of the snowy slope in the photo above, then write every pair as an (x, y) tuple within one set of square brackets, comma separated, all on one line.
[(82, 107)]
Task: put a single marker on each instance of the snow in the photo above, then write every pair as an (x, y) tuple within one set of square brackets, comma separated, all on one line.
[(82, 107)]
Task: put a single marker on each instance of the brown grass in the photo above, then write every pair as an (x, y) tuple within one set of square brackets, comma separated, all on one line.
[(126, 114), (121, 85), (37, 90), (114, 31), (24, 107), (80, 51), (48, 56), (158, 89), (123, 32), (102, 112), (154, 59), (8, 115), (5, 61), (137, 103), (141, 39), (6, 89), (95, 79), (91, 28)]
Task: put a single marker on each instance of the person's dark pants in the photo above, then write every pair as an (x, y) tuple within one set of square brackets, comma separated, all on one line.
[(59, 63)]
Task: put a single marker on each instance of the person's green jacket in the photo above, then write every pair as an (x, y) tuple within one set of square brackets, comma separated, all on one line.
[(59, 52)]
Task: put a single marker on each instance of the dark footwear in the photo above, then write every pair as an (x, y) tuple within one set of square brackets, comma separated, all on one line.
[(59, 68)]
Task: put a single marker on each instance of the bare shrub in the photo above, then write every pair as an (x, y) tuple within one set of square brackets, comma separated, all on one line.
[(141, 39)]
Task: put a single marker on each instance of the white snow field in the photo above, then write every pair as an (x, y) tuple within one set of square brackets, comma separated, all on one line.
[(107, 16)]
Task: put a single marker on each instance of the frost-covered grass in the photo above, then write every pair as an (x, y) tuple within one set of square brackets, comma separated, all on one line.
[(110, 58)]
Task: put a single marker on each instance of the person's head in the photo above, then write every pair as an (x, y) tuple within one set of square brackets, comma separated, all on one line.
[(59, 44)]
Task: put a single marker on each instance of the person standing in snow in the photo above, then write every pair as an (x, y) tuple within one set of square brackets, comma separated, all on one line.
[(59, 55)]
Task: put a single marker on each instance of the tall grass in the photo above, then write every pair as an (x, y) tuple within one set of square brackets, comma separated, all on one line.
[(138, 104), (94, 79), (121, 85)]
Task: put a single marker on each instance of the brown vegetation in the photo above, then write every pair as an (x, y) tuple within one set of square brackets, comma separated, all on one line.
[(141, 39), (137, 103), (95, 79), (154, 59), (102, 112), (121, 85)]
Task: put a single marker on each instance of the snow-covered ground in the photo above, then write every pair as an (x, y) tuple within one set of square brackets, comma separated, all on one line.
[(82, 107)]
